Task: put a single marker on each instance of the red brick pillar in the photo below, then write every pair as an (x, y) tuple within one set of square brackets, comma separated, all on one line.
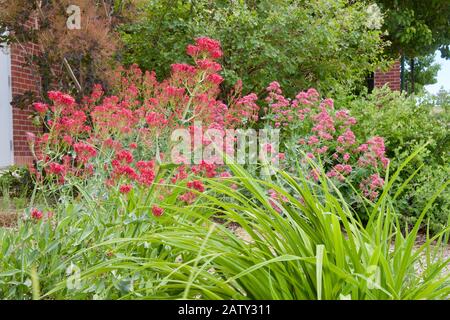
[(392, 77), (24, 78)]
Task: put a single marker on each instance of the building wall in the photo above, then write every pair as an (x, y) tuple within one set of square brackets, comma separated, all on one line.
[(24, 78), (392, 77)]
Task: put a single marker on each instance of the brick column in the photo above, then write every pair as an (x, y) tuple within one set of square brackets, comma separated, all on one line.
[(24, 78), (392, 77)]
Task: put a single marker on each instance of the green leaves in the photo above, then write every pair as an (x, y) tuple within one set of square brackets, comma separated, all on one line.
[(416, 27), (323, 43), (314, 249), (406, 124)]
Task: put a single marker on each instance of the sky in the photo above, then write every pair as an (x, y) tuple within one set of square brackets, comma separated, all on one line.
[(443, 75)]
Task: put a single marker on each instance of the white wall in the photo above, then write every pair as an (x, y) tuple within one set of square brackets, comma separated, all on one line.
[(6, 152)]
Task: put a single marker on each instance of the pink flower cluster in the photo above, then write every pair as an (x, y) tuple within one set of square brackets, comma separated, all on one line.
[(206, 47), (275, 197), (157, 211), (125, 137), (323, 132), (371, 185), (37, 215), (84, 151), (117, 136)]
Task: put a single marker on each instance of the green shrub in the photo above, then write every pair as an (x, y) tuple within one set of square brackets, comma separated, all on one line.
[(15, 182), (314, 249), (440, 104), (419, 192), (405, 123), (326, 44)]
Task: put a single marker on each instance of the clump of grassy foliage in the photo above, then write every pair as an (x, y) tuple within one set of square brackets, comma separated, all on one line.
[(308, 246)]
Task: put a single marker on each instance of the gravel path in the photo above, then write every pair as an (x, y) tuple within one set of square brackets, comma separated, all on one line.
[(8, 219)]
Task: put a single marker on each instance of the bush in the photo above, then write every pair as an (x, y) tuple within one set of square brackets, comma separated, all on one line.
[(313, 129), (121, 142), (16, 182), (125, 223), (407, 123), (404, 122), (314, 249), (325, 44), (419, 191)]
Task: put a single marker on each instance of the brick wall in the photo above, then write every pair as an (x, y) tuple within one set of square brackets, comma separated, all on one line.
[(391, 77), (23, 78)]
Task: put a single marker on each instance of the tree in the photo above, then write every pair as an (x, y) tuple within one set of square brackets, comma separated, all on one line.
[(71, 59), (424, 73), (417, 28), (323, 43)]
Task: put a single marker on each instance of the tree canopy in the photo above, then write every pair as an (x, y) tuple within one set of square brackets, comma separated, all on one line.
[(74, 59), (323, 43), (417, 27)]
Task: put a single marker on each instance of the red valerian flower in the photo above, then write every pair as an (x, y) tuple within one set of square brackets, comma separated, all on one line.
[(36, 214), (183, 67), (192, 50), (209, 169), (147, 176), (68, 139), (40, 107), (124, 156), (125, 188), (274, 196), (206, 46), (208, 65), (84, 151), (157, 211), (57, 168), (181, 174), (155, 119), (215, 78), (274, 86), (62, 98), (96, 94), (225, 174), (125, 171), (197, 185), (348, 138), (371, 185), (188, 197)]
